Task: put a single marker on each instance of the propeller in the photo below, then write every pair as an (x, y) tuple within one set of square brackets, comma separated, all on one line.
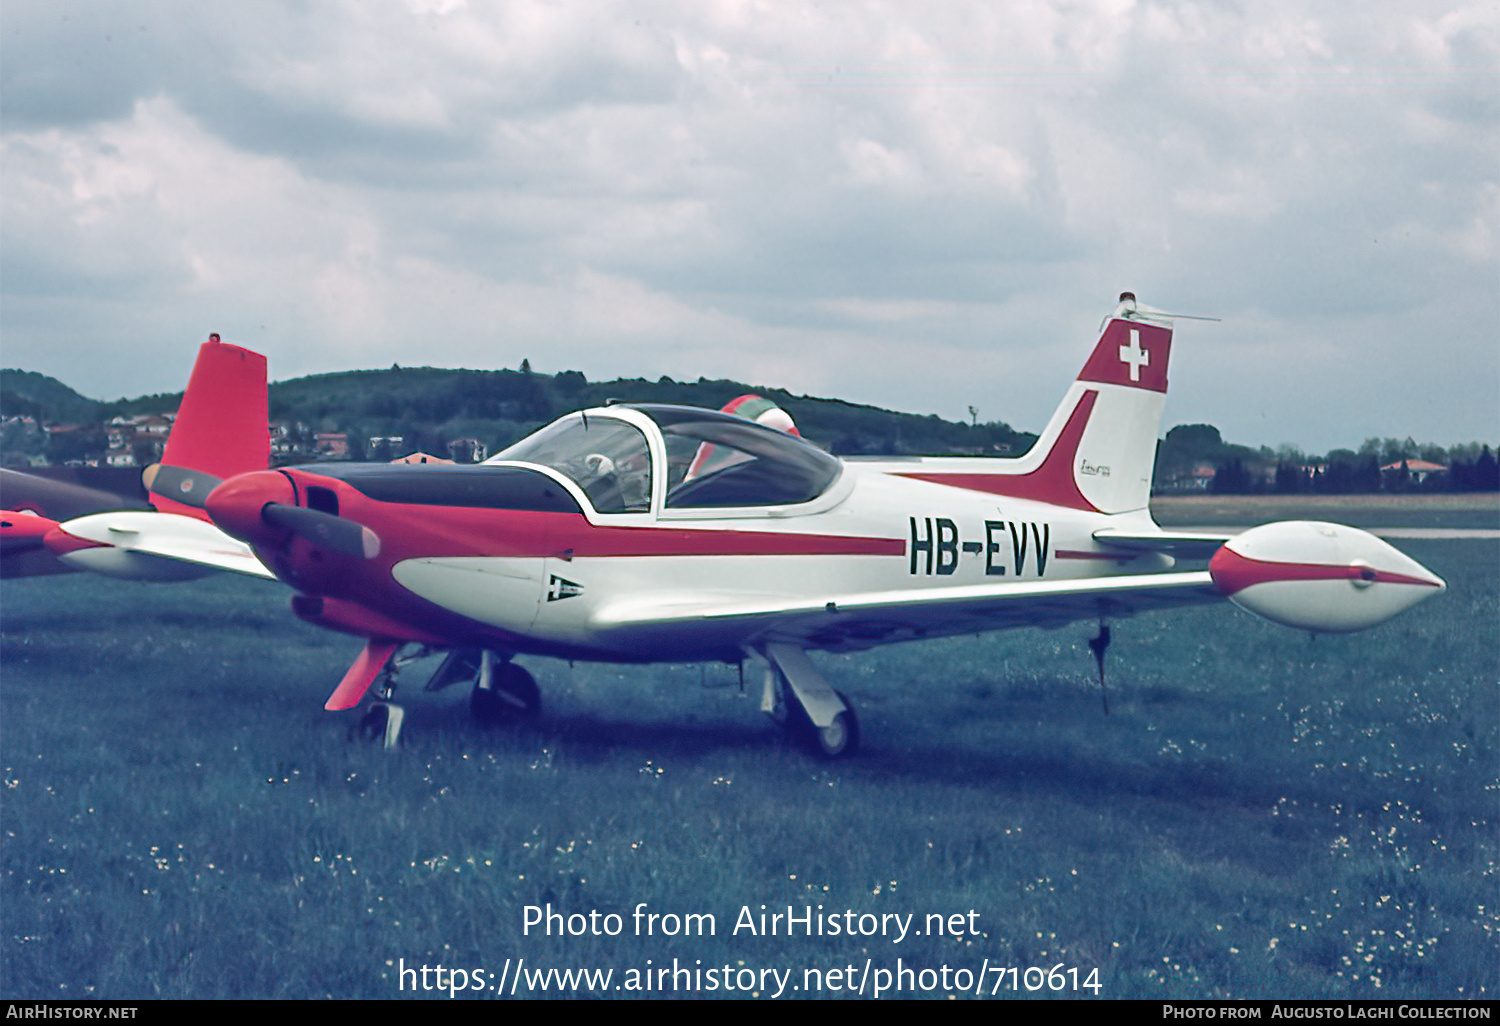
[(189, 487), (260, 505), (326, 530)]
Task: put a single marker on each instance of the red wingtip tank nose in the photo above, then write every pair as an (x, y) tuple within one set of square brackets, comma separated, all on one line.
[(237, 503), (59, 542), (22, 530)]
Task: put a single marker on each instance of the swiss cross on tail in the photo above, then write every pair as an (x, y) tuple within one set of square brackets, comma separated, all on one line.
[(1131, 353), (1134, 355)]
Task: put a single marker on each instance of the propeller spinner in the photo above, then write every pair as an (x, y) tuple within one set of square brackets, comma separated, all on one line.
[(261, 508)]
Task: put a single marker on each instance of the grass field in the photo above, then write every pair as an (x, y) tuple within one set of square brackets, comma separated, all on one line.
[(1259, 815), (1460, 510)]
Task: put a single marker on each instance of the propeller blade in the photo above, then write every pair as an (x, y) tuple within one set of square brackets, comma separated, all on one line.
[(324, 529), (189, 487)]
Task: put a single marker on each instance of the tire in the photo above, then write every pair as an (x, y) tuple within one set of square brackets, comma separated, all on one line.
[(380, 724), (838, 740), (371, 726)]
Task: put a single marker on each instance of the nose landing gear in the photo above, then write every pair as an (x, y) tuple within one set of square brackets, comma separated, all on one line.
[(502, 692), (384, 717)]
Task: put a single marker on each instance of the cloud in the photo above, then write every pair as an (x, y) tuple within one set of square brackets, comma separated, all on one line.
[(894, 204)]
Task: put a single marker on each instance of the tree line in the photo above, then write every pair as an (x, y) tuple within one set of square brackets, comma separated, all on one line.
[(426, 408), (1193, 457)]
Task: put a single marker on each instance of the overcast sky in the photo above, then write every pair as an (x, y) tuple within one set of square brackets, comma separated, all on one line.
[(922, 206)]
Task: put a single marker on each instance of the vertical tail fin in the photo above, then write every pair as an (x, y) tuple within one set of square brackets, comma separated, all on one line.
[(1102, 439), (222, 427), (1099, 449)]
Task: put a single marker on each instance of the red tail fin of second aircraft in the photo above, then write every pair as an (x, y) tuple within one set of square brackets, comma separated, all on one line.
[(221, 428)]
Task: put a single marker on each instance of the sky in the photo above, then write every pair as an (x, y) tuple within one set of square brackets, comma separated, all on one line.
[(925, 207)]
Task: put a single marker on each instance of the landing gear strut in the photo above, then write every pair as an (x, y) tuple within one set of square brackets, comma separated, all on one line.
[(1099, 645), (384, 717), (798, 697), (503, 691)]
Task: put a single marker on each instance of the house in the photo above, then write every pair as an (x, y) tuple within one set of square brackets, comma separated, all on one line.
[(1199, 478), (468, 450), (384, 447), (1419, 470), (332, 445)]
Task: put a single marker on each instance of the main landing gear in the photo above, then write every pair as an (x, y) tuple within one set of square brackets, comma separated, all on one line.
[(502, 691), (798, 697)]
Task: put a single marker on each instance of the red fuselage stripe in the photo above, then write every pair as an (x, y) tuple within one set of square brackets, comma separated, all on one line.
[(671, 541), (1233, 573)]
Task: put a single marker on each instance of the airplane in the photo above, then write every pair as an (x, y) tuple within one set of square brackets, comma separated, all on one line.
[(638, 533), (37, 504), (220, 431)]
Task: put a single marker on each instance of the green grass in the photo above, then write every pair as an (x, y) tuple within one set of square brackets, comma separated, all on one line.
[(1259, 815), (1441, 510)]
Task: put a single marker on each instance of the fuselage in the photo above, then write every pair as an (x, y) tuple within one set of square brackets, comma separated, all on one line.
[(514, 555)]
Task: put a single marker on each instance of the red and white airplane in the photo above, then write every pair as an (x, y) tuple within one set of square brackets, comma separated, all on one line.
[(220, 432), (640, 533)]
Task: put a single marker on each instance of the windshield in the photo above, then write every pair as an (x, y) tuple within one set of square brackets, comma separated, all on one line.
[(607, 458)]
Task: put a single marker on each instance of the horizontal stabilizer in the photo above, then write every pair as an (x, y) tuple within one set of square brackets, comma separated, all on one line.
[(58, 499), (1186, 544), (142, 545)]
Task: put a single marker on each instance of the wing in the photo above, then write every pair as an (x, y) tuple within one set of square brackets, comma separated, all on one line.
[(58, 499), (845, 622), (215, 553), (111, 543)]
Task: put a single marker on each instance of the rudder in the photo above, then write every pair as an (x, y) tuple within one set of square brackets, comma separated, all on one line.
[(1098, 450), (222, 426)]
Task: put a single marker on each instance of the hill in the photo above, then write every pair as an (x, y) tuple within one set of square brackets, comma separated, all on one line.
[(29, 394), (427, 407)]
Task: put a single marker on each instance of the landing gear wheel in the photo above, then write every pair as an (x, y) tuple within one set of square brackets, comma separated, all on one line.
[(381, 722), (513, 695), (838, 740)]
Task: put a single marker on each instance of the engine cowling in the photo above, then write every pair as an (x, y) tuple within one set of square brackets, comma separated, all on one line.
[(1320, 577)]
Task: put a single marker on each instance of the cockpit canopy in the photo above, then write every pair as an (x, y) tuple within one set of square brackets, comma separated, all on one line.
[(713, 460), (606, 457)]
